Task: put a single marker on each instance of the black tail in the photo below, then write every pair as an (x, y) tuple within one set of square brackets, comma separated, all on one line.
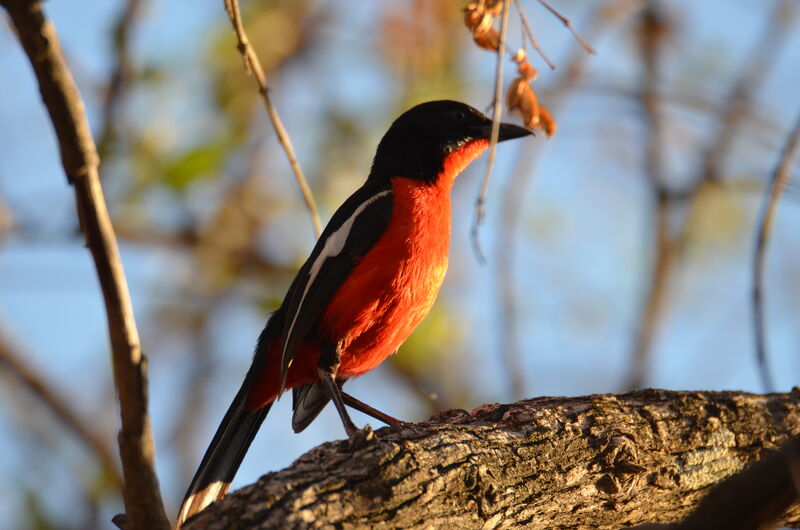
[(231, 441)]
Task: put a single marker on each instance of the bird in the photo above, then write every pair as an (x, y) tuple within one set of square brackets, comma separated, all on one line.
[(371, 278)]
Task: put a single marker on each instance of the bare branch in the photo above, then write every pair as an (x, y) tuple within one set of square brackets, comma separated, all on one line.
[(778, 183), (13, 360), (529, 32), (480, 202), (568, 23), (121, 74), (253, 66), (754, 71), (38, 37)]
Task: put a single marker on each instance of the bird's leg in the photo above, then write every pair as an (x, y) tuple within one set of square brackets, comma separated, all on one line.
[(360, 406), (327, 367)]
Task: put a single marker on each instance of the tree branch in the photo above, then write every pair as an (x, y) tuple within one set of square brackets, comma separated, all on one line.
[(79, 157), (497, 112), (253, 66), (603, 461), (778, 182), (121, 76), (754, 498)]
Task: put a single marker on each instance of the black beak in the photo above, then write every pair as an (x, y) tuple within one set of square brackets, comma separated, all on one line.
[(509, 131)]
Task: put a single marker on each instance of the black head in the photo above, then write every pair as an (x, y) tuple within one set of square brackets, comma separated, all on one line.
[(419, 141)]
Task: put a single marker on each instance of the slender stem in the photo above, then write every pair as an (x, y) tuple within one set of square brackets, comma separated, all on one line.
[(121, 76), (529, 32), (780, 178), (568, 23), (496, 113), (253, 66), (755, 69)]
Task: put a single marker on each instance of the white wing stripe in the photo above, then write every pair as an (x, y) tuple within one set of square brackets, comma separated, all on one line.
[(333, 247)]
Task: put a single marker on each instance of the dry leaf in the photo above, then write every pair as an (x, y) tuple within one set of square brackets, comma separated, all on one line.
[(527, 71), (546, 122), (488, 40), (521, 97), (495, 7), (477, 19)]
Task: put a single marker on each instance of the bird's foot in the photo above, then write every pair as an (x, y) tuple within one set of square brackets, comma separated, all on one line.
[(359, 438)]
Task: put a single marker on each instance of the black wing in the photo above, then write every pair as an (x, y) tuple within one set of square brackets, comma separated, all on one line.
[(351, 232)]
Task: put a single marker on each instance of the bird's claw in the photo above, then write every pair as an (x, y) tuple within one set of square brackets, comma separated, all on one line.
[(358, 438)]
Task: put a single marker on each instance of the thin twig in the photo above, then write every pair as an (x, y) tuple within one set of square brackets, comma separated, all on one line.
[(780, 178), (496, 113), (529, 32), (143, 504), (253, 66), (121, 75), (754, 72), (568, 23), (13, 359)]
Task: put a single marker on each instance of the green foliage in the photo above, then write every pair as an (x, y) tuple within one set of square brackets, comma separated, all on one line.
[(202, 161)]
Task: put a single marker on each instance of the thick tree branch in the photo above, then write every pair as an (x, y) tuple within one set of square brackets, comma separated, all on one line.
[(601, 461), (79, 157), (754, 498)]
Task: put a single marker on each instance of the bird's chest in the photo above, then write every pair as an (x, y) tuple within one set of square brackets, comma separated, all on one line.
[(395, 284)]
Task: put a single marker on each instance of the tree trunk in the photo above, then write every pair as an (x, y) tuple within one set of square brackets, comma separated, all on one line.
[(602, 461)]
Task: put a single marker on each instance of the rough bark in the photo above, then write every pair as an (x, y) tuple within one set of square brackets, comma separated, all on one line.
[(601, 461)]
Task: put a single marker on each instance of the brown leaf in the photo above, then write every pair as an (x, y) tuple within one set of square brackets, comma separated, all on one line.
[(495, 7), (527, 71), (477, 19), (521, 97), (546, 122), (488, 40)]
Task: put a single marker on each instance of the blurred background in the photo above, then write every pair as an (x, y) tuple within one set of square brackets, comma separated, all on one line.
[(618, 253)]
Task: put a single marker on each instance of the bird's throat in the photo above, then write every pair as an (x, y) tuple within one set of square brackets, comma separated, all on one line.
[(456, 161)]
